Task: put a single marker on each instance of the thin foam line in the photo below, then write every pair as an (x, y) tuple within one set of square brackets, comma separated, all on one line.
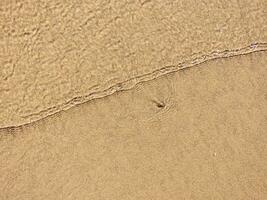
[(132, 82)]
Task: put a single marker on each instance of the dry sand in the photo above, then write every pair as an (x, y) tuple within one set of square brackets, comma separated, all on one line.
[(187, 118), (199, 133)]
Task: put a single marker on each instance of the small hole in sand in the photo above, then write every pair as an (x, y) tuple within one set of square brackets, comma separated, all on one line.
[(160, 104)]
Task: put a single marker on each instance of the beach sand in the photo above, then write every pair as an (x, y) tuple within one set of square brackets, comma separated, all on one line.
[(199, 133), (55, 54), (133, 100)]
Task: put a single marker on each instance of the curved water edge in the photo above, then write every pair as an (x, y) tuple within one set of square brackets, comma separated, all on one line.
[(132, 82)]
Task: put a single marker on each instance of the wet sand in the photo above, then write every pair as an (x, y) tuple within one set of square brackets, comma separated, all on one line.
[(199, 133), (55, 54), (133, 100)]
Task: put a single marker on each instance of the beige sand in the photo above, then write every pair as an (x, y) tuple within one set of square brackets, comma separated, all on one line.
[(56, 53), (188, 114), (199, 133)]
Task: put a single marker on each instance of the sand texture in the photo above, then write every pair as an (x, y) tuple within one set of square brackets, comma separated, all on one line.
[(199, 133), (55, 54), (133, 100)]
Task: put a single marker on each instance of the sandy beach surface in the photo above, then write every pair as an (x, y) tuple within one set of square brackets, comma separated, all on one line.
[(56, 54), (133, 100), (199, 133)]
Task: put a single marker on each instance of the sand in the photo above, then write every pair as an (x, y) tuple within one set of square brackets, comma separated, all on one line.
[(199, 133), (118, 100), (56, 53)]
